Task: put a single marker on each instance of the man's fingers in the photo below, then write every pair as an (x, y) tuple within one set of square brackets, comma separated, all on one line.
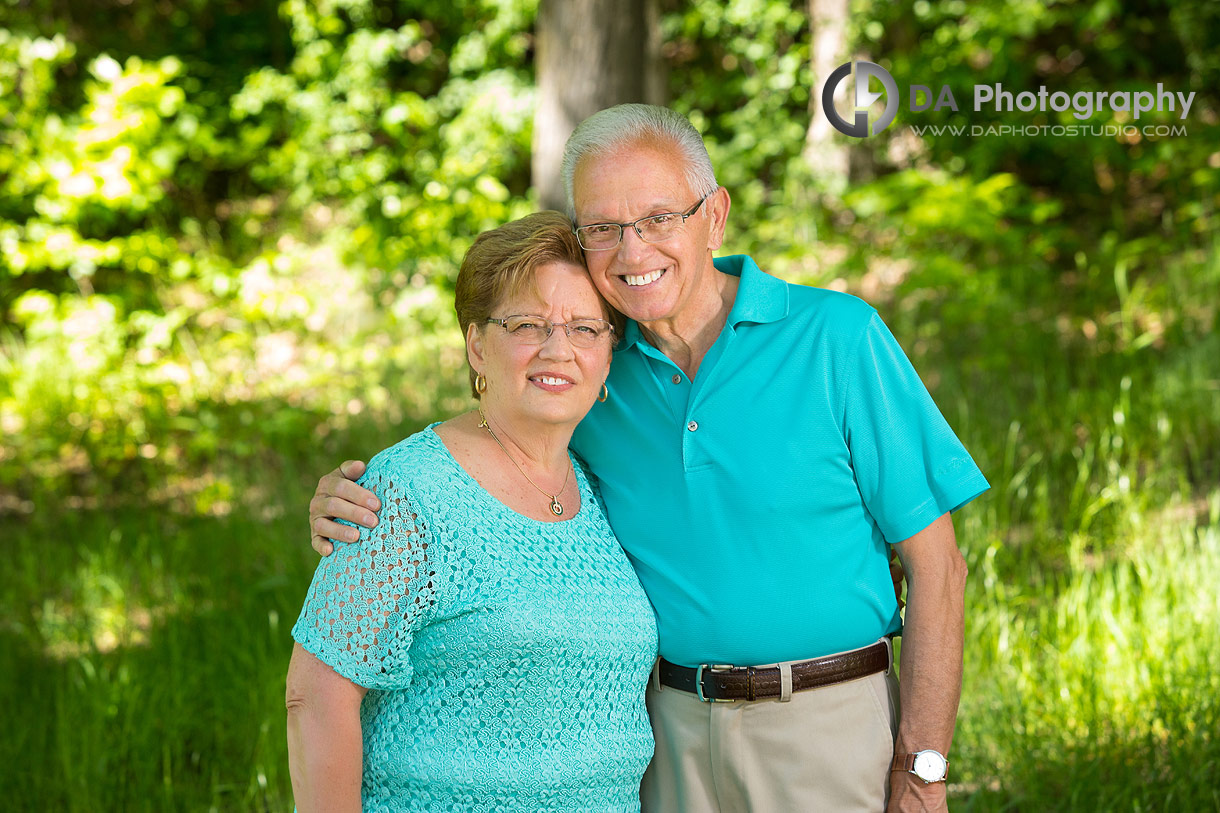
[(337, 483), (352, 469), (339, 508), (356, 495), (338, 497), (322, 545), (329, 529), (323, 506)]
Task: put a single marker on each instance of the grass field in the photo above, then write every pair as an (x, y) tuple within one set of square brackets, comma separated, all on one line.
[(143, 642)]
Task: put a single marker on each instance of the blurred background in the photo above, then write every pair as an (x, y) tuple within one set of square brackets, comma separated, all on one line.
[(228, 237)]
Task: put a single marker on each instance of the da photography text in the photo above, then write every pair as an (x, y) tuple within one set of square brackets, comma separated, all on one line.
[(1082, 104)]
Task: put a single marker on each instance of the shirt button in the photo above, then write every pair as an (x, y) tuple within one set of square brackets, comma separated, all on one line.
[(677, 378), (693, 425)]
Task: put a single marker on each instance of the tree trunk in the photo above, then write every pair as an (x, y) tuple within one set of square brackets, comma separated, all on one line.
[(591, 54), (825, 152)]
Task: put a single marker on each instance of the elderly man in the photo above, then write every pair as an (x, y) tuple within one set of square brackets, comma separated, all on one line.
[(764, 447)]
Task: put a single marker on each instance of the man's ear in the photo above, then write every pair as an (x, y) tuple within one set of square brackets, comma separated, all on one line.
[(718, 212), (474, 347)]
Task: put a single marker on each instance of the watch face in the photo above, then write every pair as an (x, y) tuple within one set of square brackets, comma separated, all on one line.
[(929, 766)]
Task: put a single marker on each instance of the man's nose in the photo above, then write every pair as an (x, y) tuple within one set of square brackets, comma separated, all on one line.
[(632, 246)]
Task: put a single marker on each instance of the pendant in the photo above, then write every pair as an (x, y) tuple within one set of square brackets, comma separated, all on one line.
[(556, 508)]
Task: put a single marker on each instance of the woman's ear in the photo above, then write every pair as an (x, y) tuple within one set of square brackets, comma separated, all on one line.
[(474, 347)]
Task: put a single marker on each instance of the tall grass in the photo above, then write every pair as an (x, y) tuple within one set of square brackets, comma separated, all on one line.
[(1091, 679), (143, 661), (1096, 687)]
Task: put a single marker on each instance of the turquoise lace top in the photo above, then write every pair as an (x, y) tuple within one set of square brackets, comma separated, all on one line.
[(506, 658)]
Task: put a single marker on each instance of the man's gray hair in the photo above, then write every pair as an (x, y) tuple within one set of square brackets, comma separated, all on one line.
[(625, 124)]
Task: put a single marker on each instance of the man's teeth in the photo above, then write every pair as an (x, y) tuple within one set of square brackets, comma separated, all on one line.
[(555, 382), (643, 279)]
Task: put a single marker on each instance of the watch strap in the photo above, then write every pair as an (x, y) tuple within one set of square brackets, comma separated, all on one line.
[(903, 762), (906, 762)]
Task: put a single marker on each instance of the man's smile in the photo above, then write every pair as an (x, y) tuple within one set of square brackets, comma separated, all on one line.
[(635, 280)]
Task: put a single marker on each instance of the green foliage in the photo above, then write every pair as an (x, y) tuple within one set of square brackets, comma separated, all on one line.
[(746, 84), (1124, 187), (196, 247), (397, 123)]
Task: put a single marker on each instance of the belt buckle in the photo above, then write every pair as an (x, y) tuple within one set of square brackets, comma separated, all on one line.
[(715, 667)]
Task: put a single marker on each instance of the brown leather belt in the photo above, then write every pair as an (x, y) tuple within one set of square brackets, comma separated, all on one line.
[(725, 683)]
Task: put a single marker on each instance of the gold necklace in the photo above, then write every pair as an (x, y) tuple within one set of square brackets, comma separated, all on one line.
[(556, 508)]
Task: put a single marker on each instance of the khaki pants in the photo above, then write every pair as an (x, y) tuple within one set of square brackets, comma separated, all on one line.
[(826, 749)]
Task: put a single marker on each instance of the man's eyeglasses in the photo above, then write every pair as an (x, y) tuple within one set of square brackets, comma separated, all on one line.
[(652, 229), (537, 329)]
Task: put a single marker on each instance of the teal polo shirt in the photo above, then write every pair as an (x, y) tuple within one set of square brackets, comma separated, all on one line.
[(756, 502)]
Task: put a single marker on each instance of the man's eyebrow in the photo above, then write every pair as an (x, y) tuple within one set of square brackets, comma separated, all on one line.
[(655, 209)]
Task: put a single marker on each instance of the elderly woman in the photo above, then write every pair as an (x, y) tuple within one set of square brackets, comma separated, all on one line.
[(488, 644)]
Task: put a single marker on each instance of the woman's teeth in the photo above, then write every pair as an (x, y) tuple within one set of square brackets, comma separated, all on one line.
[(555, 382)]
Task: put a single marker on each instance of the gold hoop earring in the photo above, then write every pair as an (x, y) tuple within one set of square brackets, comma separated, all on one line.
[(605, 393), (480, 383)]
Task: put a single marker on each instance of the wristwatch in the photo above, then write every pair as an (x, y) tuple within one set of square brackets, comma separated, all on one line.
[(930, 766)]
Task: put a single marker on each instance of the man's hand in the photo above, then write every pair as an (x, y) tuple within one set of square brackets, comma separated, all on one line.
[(910, 794), (338, 497)]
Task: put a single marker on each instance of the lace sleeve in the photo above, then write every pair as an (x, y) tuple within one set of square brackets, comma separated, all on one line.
[(369, 597)]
